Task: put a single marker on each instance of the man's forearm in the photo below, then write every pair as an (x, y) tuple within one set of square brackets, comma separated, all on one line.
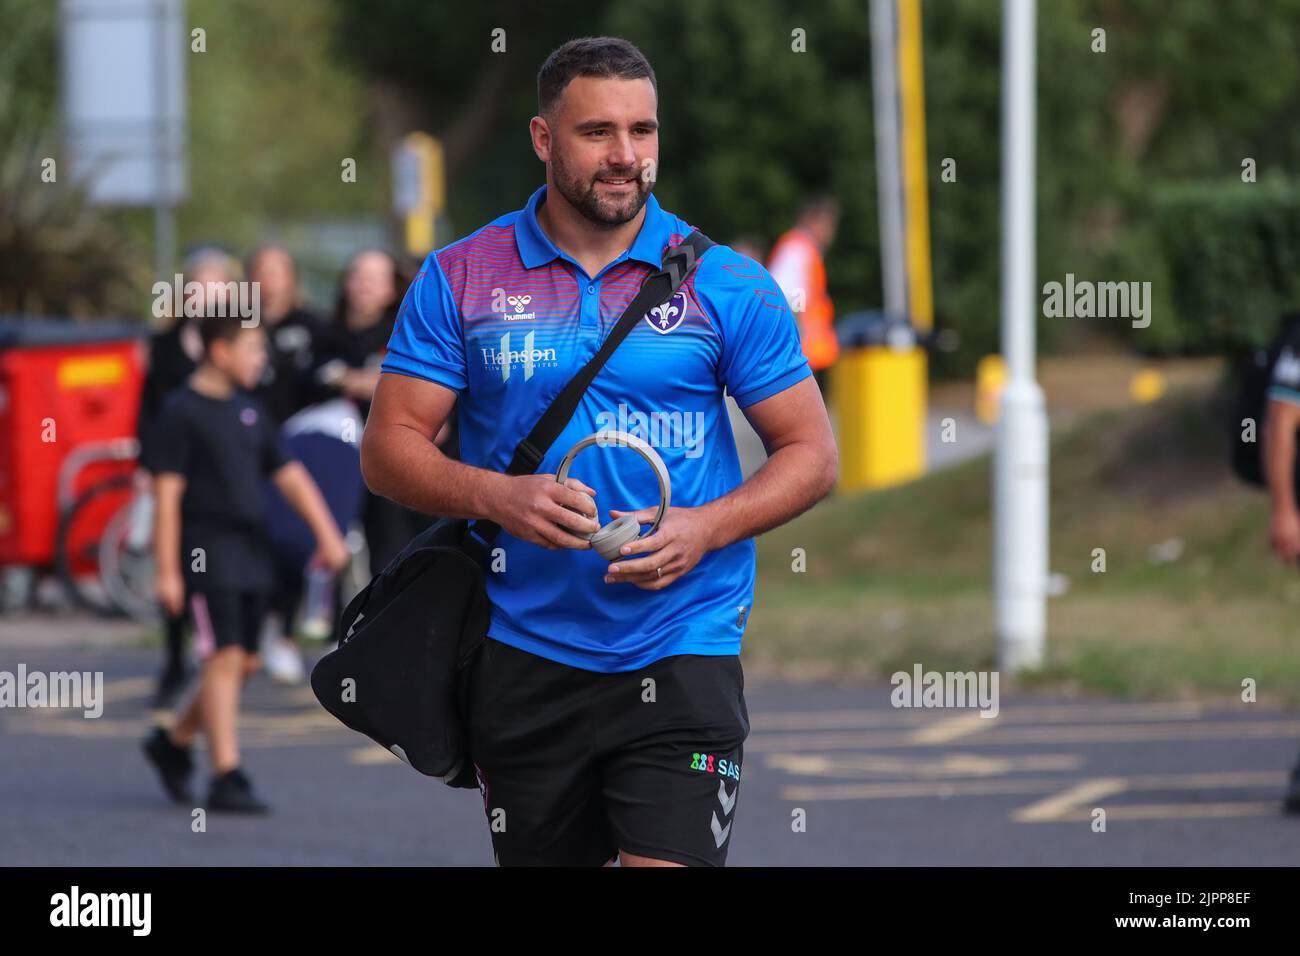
[(790, 482), (410, 469)]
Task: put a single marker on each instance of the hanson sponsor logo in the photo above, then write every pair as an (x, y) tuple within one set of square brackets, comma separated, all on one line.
[(529, 357)]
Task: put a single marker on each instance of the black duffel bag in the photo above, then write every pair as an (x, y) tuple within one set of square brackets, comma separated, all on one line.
[(400, 672)]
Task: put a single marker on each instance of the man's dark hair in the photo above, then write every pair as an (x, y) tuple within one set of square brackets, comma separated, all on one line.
[(610, 57), (219, 328)]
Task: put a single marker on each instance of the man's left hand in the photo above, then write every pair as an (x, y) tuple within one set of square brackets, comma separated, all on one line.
[(683, 538)]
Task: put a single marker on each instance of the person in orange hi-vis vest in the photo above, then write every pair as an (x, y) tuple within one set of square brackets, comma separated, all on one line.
[(796, 264)]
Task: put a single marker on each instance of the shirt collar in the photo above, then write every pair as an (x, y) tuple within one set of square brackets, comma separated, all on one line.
[(536, 248)]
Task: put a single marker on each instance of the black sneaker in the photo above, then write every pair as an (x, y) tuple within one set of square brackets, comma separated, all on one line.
[(1291, 802), (232, 792), (174, 764), (171, 683)]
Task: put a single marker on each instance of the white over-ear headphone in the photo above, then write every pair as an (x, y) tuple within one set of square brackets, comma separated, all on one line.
[(620, 531)]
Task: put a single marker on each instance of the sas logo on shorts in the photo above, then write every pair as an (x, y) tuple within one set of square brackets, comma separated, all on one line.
[(709, 764)]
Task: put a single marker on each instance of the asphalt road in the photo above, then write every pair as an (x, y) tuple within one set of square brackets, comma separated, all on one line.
[(1180, 784)]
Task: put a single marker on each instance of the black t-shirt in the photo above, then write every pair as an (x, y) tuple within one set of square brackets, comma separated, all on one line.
[(224, 448), (291, 353)]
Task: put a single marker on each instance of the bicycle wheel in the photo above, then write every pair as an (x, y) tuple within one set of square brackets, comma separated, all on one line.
[(76, 556), (126, 559)]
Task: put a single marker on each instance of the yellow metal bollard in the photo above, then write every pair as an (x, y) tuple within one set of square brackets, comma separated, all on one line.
[(879, 394), (990, 377), (1147, 385)]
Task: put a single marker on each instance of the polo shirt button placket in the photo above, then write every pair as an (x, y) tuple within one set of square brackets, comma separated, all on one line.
[(589, 311)]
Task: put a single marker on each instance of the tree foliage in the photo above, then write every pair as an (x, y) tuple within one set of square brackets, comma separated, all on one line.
[(1182, 90), (58, 256), (1181, 95)]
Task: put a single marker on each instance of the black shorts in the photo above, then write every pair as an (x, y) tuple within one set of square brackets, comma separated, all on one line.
[(576, 765), (226, 619)]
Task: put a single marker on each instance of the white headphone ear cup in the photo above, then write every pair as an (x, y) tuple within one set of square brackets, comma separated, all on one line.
[(614, 535)]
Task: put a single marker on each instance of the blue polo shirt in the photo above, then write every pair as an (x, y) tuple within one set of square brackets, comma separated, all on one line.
[(505, 319)]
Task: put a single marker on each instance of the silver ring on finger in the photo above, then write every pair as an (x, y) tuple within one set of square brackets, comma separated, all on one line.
[(659, 571)]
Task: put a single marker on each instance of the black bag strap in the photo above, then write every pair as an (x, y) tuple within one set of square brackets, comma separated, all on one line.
[(659, 287)]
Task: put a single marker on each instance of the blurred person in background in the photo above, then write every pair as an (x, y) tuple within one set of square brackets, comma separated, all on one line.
[(291, 331), (292, 336), (1282, 421), (798, 266), (356, 341), (355, 338), (175, 352)]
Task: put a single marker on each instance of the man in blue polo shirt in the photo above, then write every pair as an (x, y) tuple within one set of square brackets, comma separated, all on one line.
[(607, 707)]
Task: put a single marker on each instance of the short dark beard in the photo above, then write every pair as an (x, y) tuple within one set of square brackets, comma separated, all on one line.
[(583, 197)]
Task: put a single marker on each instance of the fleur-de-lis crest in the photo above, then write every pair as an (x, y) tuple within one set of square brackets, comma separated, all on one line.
[(664, 313), (664, 318)]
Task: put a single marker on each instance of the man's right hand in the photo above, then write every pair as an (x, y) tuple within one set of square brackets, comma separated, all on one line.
[(538, 509), (1284, 534), (170, 589)]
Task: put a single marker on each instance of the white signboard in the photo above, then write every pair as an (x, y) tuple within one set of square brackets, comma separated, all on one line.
[(123, 84)]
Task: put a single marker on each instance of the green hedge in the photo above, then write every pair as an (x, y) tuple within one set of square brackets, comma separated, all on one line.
[(1230, 254)]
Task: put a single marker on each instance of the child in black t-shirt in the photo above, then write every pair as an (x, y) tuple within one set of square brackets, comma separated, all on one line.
[(209, 450)]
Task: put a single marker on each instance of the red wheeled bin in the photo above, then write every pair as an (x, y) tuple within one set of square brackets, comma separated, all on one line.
[(69, 397)]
